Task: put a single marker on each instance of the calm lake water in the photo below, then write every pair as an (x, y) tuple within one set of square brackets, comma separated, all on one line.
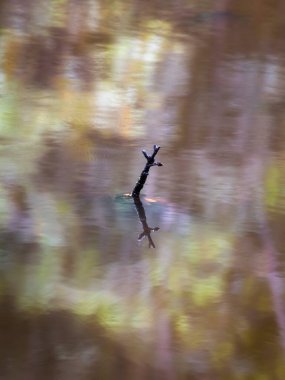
[(188, 283)]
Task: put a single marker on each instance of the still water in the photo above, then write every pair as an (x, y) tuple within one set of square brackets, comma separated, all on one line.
[(85, 292)]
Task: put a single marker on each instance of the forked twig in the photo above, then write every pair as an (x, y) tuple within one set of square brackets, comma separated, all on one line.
[(143, 177)]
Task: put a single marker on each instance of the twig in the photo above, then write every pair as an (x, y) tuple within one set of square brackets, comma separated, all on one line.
[(143, 177)]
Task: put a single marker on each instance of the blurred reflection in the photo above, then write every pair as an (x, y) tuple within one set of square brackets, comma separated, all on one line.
[(146, 229), (83, 86)]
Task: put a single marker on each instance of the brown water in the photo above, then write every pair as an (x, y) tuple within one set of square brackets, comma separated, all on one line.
[(84, 87)]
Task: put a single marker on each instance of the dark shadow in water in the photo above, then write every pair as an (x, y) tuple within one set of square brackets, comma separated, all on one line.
[(59, 345), (146, 229)]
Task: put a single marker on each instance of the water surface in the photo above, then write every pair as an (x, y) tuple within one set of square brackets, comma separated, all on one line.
[(85, 86)]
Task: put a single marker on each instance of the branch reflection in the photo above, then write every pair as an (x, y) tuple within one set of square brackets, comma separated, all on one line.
[(142, 216)]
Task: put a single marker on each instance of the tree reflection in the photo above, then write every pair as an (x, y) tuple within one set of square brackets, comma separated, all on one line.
[(102, 79)]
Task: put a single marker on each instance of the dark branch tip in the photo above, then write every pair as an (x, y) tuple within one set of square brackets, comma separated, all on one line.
[(145, 154)]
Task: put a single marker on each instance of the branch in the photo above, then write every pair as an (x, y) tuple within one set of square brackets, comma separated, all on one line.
[(143, 177)]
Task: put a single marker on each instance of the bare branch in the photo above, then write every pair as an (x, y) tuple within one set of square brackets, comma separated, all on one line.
[(150, 162)]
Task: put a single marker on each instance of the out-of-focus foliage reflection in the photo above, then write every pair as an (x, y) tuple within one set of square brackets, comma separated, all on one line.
[(84, 85)]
